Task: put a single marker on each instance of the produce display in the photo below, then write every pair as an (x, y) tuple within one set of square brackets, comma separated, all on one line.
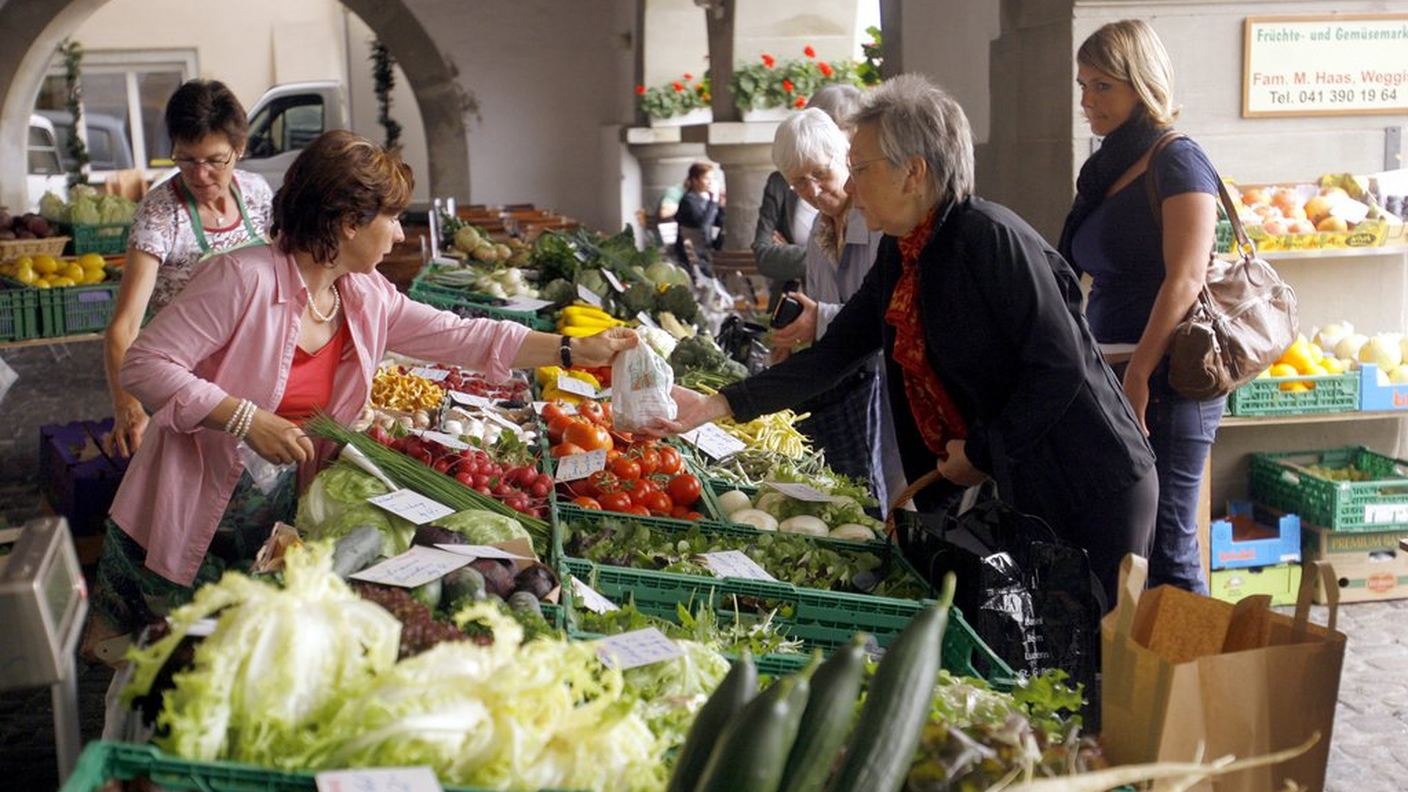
[(49, 272), (86, 206), (25, 226), (1338, 211), (395, 388)]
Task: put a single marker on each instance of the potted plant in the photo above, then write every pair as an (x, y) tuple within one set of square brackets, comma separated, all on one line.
[(681, 102), (768, 90)]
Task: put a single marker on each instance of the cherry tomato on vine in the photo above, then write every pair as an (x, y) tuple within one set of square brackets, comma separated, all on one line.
[(649, 459), (625, 468), (602, 482), (684, 489), (659, 502), (671, 460), (587, 503), (592, 411), (615, 501)]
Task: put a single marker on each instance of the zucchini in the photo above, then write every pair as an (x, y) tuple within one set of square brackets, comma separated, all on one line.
[(827, 721), (752, 753), (356, 551), (881, 747), (738, 687)]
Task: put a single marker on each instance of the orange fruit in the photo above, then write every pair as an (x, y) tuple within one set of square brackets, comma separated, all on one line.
[(1299, 356), (1332, 224), (1283, 370)]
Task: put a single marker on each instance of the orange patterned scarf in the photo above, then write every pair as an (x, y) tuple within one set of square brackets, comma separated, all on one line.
[(937, 416)]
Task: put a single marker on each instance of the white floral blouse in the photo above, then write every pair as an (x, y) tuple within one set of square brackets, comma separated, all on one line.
[(162, 227)]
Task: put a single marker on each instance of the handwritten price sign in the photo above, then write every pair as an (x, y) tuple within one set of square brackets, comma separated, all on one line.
[(713, 441), (415, 567), (379, 779), (734, 564), (637, 648), (412, 505), (579, 466)]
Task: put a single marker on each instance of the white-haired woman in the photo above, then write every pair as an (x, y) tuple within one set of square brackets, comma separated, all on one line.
[(849, 421), (991, 368), (1147, 270)]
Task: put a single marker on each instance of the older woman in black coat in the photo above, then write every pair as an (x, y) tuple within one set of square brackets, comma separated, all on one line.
[(992, 370)]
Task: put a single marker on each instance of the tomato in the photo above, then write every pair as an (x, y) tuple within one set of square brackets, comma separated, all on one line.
[(649, 459), (626, 468), (615, 501), (679, 512), (553, 411), (592, 411), (684, 489), (671, 460), (640, 490), (602, 482), (637, 510), (587, 435), (587, 503), (692, 516), (557, 427), (659, 502), (565, 449)]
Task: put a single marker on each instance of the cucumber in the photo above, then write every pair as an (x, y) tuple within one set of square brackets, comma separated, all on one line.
[(356, 551), (738, 687), (881, 747), (827, 721), (752, 753)]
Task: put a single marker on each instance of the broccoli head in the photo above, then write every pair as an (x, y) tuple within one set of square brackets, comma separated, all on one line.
[(679, 301)]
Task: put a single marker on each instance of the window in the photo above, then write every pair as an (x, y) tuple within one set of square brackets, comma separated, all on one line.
[(43, 153), (124, 103), (287, 124)]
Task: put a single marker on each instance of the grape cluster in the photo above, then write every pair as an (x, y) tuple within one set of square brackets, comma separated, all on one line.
[(419, 628)]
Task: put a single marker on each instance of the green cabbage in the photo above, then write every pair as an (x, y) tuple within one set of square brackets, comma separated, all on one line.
[(336, 502), (279, 663), (53, 208), (672, 692), (483, 527), (84, 211)]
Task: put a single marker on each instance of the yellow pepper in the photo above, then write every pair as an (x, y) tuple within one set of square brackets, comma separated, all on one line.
[(547, 376)]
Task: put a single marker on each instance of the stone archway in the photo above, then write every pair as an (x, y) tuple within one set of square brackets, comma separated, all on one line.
[(442, 101)]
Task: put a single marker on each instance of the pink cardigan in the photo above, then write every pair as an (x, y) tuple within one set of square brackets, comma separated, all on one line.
[(232, 332)]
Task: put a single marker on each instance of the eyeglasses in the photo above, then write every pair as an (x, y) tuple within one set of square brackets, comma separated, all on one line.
[(860, 166), (814, 179), (213, 163)]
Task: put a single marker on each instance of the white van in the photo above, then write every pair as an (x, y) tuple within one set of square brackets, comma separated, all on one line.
[(286, 119)]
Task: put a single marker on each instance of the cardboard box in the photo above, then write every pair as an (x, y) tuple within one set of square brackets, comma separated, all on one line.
[(1368, 566), (1242, 541), (76, 477), (1280, 582)]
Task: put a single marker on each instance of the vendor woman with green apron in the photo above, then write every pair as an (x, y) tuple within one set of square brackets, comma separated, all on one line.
[(207, 208)]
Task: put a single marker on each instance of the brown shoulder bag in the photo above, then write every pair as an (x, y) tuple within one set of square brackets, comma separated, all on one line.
[(1243, 321)]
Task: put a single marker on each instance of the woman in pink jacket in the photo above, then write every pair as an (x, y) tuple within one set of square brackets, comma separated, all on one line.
[(255, 345)]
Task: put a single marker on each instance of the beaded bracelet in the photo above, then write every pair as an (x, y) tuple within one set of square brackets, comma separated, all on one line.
[(247, 422), (234, 418)]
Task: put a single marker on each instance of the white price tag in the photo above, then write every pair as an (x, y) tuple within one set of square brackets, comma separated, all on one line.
[(569, 409), (734, 564), (412, 505), (592, 599), (447, 440), (578, 466), (526, 304), (613, 280), (711, 439), (588, 296), (432, 374), (379, 779), (570, 384), (636, 648), (644, 318), (1386, 513), (351, 453), (804, 492), (415, 567), (482, 551), (471, 400), (494, 416)]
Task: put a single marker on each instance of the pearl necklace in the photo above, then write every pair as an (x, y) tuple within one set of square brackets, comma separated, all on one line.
[(336, 304)]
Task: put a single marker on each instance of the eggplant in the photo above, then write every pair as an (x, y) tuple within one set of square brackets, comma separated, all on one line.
[(537, 580), (498, 575), (525, 601), (431, 535), (463, 583)]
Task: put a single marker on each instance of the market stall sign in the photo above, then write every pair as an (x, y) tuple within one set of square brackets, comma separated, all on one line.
[(636, 648), (735, 564), (415, 567), (578, 466), (412, 505), (1334, 64), (713, 440), (379, 779), (592, 599)]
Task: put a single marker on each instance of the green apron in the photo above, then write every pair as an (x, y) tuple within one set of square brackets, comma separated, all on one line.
[(255, 238)]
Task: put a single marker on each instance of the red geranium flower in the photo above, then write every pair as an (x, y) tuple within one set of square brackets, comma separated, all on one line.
[(640, 89), (677, 87), (801, 102), (768, 60), (688, 76), (708, 97), (808, 51), (787, 86), (826, 68)]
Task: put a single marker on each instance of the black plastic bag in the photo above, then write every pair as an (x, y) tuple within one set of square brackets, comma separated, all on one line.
[(1031, 597), (743, 341)]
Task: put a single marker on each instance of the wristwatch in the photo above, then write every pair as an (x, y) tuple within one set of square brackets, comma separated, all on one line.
[(566, 351)]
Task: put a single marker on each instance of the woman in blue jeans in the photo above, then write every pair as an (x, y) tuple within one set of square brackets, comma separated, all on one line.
[(1147, 270)]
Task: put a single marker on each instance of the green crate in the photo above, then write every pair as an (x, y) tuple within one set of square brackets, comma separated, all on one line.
[(713, 488), (821, 620), (105, 239), (1283, 481), (103, 761), (1224, 236), (448, 298), (19, 311), (1332, 393), (70, 310)]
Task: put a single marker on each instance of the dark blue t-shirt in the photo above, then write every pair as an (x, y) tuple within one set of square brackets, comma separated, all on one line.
[(1121, 246)]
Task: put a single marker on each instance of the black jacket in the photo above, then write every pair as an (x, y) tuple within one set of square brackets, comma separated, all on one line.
[(778, 262), (1005, 334)]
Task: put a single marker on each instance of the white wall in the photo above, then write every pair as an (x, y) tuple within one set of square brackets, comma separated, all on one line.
[(361, 93), (948, 42), (782, 29), (677, 42), (547, 75)]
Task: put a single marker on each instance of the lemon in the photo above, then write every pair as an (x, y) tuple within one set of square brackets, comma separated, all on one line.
[(94, 276), (46, 265), (1333, 365), (91, 261), (73, 271), (23, 260), (41, 283), (26, 275), (1283, 370), (62, 280)]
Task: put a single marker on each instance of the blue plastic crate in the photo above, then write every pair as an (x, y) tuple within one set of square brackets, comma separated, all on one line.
[(1280, 547)]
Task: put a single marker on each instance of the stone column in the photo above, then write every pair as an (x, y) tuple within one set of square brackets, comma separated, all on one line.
[(664, 160)]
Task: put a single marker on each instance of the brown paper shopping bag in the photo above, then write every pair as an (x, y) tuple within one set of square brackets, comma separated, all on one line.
[(1186, 677)]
